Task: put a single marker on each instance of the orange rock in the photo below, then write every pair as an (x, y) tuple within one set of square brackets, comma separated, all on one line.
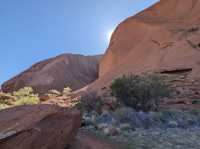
[(163, 38)]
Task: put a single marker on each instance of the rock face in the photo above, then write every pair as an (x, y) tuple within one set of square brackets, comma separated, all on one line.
[(38, 127), (71, 70), (164, 38)]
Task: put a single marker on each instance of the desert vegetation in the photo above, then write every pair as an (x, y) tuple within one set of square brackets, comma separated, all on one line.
[(24, 96), (128, 113), (141, 92), (27, 96), (139, 120)]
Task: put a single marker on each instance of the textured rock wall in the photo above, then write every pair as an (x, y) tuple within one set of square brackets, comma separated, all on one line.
[(162, 38)]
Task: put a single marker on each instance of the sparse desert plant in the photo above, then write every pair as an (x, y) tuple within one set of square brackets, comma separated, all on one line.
[(5, 96), (67, 91), (3, 106), (26, 91), (28, 100), (141, 92), (24, 96), (89, 102)]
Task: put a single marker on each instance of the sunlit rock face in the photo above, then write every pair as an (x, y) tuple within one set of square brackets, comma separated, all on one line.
[(163, 38), (71, 70)]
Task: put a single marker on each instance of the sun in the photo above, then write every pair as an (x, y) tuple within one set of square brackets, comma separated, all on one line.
[(109, 34)]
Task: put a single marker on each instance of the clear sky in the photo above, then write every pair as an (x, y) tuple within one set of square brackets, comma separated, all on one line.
[(33, 30)]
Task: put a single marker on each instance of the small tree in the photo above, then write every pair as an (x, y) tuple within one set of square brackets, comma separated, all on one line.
[(141, 92)]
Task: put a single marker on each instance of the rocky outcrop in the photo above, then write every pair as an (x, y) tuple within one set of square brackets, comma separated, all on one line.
[(74, 71), (164, 38), (38, 127)]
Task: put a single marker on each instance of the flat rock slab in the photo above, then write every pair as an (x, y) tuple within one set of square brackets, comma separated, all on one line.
[(38, 127)]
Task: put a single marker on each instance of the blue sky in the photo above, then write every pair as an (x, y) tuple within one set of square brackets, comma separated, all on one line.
[(33, 30)]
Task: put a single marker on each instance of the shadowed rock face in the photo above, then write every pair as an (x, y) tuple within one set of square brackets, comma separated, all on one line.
[(38, 127), (71, 70), (163, 38)]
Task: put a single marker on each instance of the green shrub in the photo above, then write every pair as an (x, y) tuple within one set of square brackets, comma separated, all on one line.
[(26, 91), (24, 96), (29, 100), (141, 92)]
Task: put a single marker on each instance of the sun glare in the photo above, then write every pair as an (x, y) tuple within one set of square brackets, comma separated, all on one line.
[(109, 34)]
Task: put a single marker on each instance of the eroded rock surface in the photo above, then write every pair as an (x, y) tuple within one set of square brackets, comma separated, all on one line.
[(38, 127)]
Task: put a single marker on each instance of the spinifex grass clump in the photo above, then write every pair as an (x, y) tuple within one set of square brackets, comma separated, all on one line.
[(141, 92), (67, 91), (24, 96)]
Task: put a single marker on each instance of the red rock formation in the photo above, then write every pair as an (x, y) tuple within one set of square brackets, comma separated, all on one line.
[(38, 127), (163, 38), (74, 71)]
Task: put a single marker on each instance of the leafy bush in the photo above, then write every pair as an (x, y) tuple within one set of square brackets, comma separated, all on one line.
[(141, 92)]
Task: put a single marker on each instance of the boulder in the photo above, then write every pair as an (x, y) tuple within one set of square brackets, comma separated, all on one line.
[(38, 127)]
